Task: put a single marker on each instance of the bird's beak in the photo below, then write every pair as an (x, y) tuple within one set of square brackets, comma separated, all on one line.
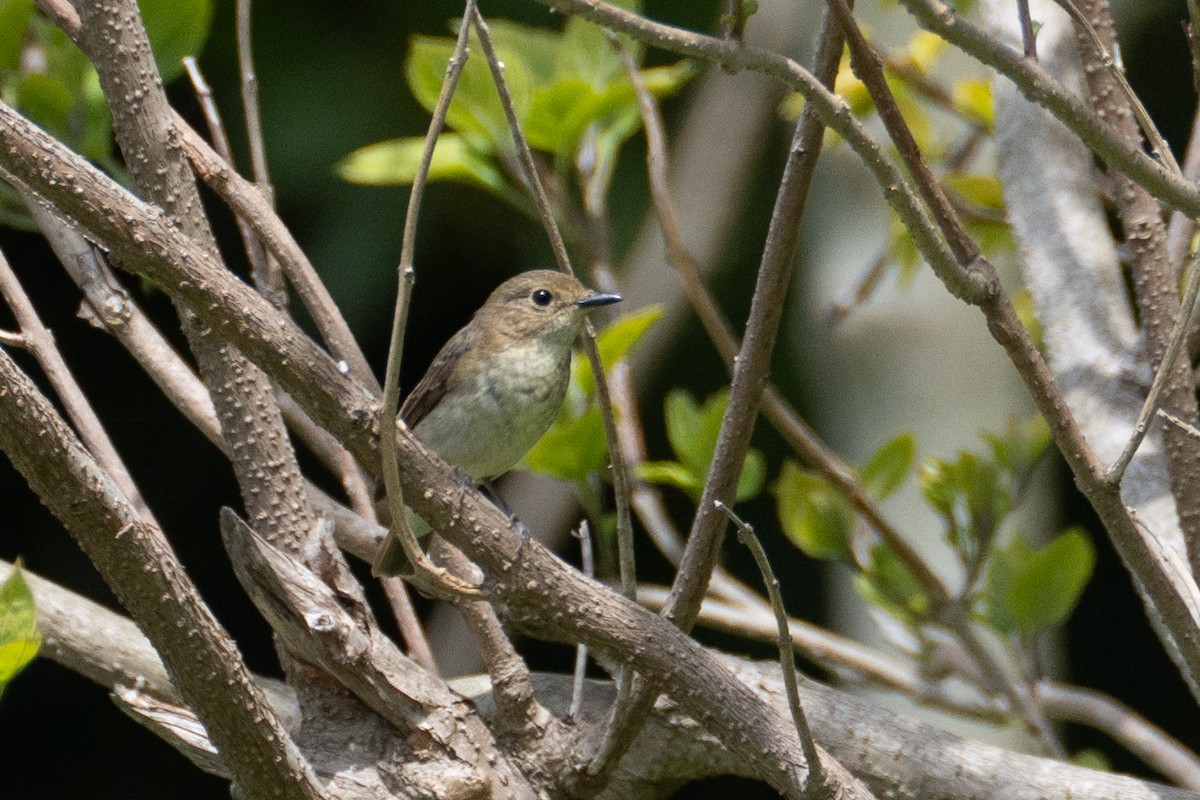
[(598, 299)]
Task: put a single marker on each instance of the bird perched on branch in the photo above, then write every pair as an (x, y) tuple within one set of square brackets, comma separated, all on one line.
[(497, 385)]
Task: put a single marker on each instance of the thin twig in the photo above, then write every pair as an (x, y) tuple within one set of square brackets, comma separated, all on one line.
[(1159, 149), (588, 566), (853, 662), (1183, 323), (411, 629), (14, 340), (108, 306), (267, 277), (518, 712), (272, 288), (1045, 90), (1028, 34), (250, 104), (782, 415), (40, 342), (251, 205), (787, 657), (424, 570), (867, 65), (749, 377), (620, 475)]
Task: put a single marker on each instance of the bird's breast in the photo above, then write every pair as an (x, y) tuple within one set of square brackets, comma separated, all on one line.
[(491, 419)]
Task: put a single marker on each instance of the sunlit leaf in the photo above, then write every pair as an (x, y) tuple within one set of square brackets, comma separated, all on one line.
[(670, 473), (19, 637), (982, 191), (615, 342), (973, 97), (571, 450), (395, 161), (475, 112)]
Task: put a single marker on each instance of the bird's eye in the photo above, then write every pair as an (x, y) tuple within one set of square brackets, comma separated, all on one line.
[(541, 297)]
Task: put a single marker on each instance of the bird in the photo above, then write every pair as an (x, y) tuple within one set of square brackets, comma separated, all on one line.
[(495, 387)]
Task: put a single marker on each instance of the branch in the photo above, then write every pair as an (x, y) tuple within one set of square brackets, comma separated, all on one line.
[(40, 342), (138, 565), (112, 35), (671, 750), (1041, 88)]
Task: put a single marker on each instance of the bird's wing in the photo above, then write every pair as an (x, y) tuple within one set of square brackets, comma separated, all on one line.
[(439, 379)]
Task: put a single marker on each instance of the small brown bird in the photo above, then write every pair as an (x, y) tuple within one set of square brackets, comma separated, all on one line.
[(497, 385)]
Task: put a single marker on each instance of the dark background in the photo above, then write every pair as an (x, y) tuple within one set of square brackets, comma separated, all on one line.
[(331, 78)]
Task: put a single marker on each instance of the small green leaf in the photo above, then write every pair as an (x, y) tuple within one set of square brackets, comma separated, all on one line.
[(14, 19), (538, 47), (176, 28), (886, 582), (889, 467), (587, 54), (1047, 590), (395, 161), (19, 637), (571, 450), (753, 477), (812, 514), (684, 432), (1032, 589), (973, 98), (615, 342), (982, 191), (1021, 445), (475, 112), (670, 473)]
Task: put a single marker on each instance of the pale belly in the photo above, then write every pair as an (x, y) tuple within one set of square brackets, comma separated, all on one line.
[(488, 426)]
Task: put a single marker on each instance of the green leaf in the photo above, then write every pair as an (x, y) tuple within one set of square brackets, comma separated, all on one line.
[(14, 19), (1021, 445), (19, 637), (176, 28), (561, 113), (1047, 590), (684, 431), (973, 98), (558, 114), (886, 582), (538, 47), (889, 467), (46, 100), (814, 516), (615, 342), (670, 473), (571, 450), (982, 191), (753, 476), (586, 52), (475, 112), (395, 161)]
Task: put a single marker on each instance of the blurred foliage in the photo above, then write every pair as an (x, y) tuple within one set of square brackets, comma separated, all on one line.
[(573, 99), (692, 430), (1012, 589), (45, 77)]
